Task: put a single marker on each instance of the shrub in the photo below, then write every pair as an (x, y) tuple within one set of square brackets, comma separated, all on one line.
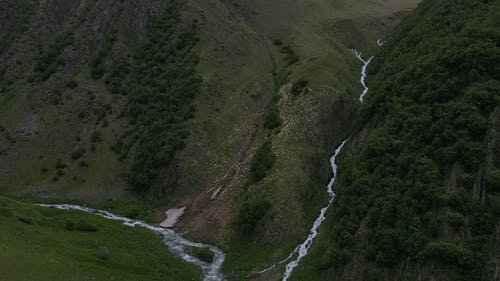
[(60, 164), (273, 119), (84, 226), (69, 225), (250, 214), (25, 220), (49, 60), (133, 214), (291, 57), (447, 252), (334, 258), (103, 253), (277, 42), (97, 72), (72, 84), (493, 181), (298, 87), (5, 212), (77, 153), (96, 137), (262, 161), (203, 254)]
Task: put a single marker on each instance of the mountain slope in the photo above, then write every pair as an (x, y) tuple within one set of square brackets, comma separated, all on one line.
[(418, 194)]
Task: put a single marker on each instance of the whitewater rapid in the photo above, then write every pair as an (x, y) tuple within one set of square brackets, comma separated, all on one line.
[(175, 243), (303, 248), (363, 73)]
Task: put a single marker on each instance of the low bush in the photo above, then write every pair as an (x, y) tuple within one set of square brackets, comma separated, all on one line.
[(250, 214), (25, 220), (290, 56), (447, 252), (493, 181), (49, 60), (77, 153), (69, 225), (334, 258), (84, 226), (273, 119), (298, 87), (103, 253), (261, 162), (60, 164), (204, 254), (72, 84)]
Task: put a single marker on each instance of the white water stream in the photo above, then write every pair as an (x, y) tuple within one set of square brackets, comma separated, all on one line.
[(303, 248), (175, 243), (363, 73)]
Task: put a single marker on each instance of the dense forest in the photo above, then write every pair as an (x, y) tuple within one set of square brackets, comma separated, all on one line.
[(423, 189)]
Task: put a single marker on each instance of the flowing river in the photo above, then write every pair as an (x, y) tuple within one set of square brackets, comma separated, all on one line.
[(212, 271), (175, 243)]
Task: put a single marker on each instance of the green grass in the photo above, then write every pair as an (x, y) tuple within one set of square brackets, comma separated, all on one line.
[(34, 245), (245, 255)]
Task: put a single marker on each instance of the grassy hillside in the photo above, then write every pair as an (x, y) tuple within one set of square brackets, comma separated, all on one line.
[(46, 244), (418, 199)]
